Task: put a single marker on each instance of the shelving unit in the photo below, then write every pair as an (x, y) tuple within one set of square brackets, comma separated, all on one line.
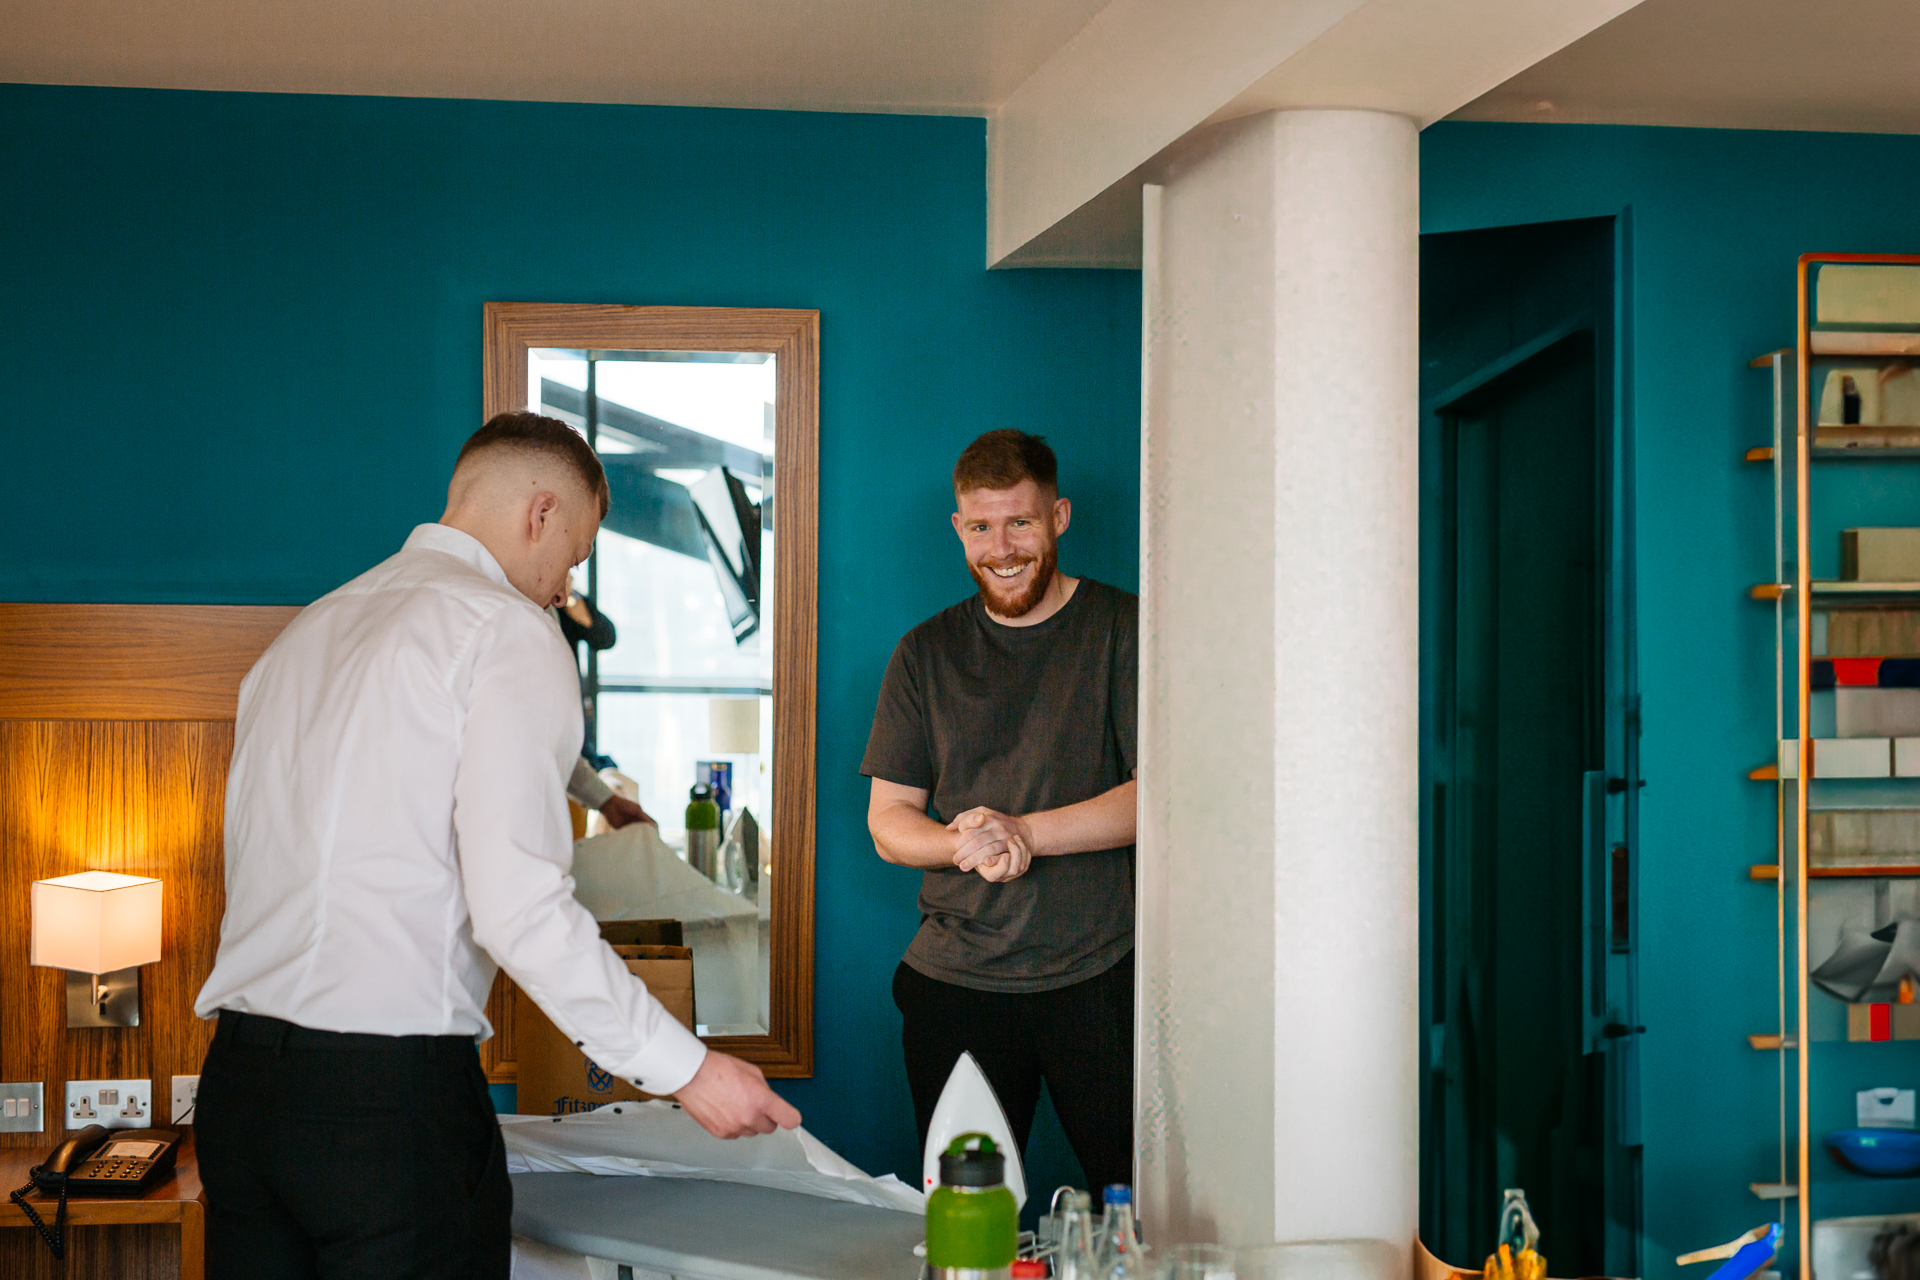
[(1820, 1071)]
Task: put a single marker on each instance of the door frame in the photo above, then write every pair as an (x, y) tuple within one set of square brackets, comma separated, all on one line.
[(1613, 914)]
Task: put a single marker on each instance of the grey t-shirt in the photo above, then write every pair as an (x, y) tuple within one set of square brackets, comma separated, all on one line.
[(1020, 719)]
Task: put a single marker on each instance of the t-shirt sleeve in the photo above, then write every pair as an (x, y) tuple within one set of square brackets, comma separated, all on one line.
[(1124, 695), (898, 748)]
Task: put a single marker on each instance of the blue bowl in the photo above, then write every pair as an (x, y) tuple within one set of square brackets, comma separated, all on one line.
[(1879, 1153)]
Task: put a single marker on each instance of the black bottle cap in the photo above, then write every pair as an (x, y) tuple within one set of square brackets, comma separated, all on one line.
[(980, 1166)]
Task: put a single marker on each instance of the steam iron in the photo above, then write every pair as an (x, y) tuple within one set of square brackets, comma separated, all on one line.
[(969, 1105)]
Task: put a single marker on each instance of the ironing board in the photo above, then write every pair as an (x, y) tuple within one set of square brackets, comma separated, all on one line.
[(699, 1230)]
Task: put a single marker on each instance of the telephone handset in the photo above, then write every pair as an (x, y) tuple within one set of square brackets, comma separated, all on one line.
[(98, 1161)]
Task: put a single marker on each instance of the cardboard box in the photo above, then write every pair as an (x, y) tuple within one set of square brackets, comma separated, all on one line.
[(1876, 713), (555, 1076), (1870, 633), (1880, 555)]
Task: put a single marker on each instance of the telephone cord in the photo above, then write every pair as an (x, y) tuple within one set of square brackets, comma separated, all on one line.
[(56, 1238)]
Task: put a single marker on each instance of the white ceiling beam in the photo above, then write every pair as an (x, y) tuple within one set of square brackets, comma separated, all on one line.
[(1144, 73), (1135, 78)]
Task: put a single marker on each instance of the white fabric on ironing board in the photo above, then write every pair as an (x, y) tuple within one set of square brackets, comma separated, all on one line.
[(657, 1139)]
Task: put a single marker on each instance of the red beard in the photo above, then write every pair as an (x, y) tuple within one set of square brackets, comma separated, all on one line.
[(1003, 605)]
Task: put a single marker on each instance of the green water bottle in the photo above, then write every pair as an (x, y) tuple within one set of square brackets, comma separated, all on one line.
[(973, 1225), (703, 830)]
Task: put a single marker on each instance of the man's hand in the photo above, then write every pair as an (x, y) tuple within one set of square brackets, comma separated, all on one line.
[(998, 845), (620, 811), (730, 1099)]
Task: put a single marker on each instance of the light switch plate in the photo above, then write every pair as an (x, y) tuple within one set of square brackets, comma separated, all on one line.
[(117, 1104), (186, 1092), (23, 1108)]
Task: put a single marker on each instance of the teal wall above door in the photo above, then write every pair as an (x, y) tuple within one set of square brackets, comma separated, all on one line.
[(1712, 223), (240, 338)]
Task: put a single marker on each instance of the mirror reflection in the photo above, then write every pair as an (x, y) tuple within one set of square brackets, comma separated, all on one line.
[(675, 641)]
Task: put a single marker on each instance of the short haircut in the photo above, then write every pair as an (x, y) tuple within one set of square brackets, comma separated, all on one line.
[(526, 432), (1002, 459)]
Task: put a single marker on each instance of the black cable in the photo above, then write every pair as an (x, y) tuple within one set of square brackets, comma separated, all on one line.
[(56, 1238)]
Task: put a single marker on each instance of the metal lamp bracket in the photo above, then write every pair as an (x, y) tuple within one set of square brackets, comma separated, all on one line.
[(103, 999)]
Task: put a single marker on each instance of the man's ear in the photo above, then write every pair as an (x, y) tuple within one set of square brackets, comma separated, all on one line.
[(1062, 515), (541, 513), (957, 531)]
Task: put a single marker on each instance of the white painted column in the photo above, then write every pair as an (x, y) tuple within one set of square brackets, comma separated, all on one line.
[(1278, 939)]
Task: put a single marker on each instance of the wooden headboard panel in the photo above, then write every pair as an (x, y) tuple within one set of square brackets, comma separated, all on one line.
[(116, 728), (129, 661)]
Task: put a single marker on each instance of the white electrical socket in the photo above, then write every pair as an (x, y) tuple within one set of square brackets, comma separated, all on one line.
[(186, 1092), (116, 1104)]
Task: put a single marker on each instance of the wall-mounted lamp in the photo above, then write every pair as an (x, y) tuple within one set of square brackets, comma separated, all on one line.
[(99, 926)]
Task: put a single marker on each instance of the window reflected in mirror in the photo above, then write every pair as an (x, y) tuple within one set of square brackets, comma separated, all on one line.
[(678, 691)]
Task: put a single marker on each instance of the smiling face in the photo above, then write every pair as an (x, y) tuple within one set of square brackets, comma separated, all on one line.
[(1011, 538)]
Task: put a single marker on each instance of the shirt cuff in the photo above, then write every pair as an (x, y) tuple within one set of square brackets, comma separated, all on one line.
[(585, 788), (672, 1056)]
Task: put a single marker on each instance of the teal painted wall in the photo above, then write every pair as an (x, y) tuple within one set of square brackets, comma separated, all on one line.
[(1715, 221), (241, 335)]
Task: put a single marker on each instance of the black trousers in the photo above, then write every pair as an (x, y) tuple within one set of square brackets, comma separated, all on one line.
[(349, 1157), (1079, 1039)]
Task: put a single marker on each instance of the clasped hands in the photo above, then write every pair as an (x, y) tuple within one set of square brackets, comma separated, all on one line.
[(997, 845)]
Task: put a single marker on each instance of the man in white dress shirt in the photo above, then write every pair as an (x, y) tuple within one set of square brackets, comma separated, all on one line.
[(396, 825)]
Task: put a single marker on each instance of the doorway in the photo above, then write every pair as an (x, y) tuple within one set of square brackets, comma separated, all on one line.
[(1529, 770)]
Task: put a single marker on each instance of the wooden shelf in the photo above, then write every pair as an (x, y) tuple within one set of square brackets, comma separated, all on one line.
[(1857, 343), (1774, 1190), (1857, 442), (1838, 590), (1854, 441), (1773, 1041), (1767, 872), (1765, 773), (1834, 593)]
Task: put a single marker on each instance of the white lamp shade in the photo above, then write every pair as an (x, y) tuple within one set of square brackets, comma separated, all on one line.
[(733, 726), (96, 922)]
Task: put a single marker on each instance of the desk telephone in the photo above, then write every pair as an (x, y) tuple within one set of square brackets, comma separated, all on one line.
[(98, 1162)]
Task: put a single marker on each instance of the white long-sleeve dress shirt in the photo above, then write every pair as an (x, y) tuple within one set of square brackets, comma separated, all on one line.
[(397, 822)]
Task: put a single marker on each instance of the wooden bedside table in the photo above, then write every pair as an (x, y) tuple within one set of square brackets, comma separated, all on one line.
[(176, 1199)]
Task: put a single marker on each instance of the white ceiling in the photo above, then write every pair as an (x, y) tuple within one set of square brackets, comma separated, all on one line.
[(945, 57), (1730, 64), (1768, 64)]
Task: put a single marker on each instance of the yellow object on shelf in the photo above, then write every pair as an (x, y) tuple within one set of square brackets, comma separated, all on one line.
[(1505, 1264)]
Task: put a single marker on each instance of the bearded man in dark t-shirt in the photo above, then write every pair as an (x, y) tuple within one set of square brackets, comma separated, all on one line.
[(1011, 718)]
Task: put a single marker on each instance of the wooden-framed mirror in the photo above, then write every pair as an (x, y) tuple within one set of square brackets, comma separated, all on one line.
[(706, 419)]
